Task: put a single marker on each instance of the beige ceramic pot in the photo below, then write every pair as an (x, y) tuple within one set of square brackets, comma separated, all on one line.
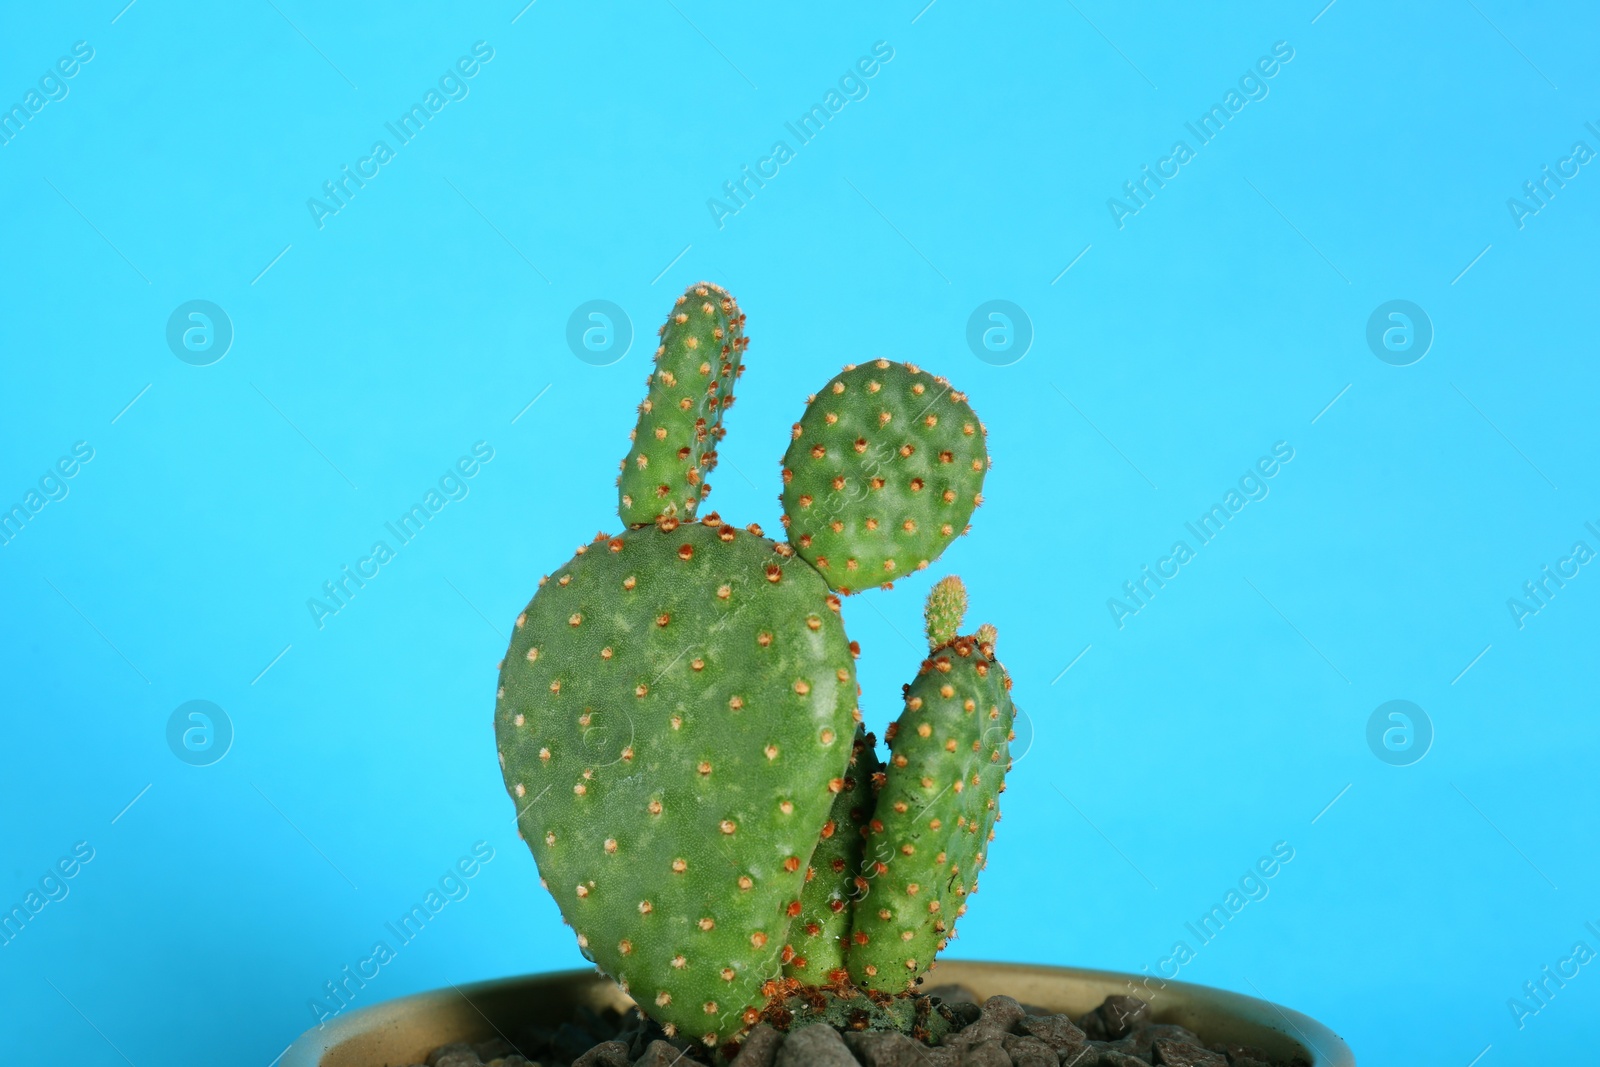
[(404, 1031)]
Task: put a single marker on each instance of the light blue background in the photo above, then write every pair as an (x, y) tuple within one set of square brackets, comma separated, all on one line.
[(427, 314)]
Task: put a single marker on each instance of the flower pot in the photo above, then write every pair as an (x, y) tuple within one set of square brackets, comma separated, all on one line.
[(404, 1031)]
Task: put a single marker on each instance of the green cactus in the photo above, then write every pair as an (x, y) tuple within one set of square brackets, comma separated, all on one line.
[(674, 445), (949, 753), (882, 473), (677, 721)]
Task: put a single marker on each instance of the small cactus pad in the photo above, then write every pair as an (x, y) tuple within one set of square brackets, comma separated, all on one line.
[(674, 721), (820, 930), (947, 606), (674, 446), (882, 473), (949, 753)]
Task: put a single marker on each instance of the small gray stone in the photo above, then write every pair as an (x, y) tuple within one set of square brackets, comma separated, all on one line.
[(952, 994), (1183, 1054), (1057, 1031), (605, 1054), (1120, 1014), (1029, 1051), (496, 1048), (453, 1050), (976, 1034), (1084, 1055), (1113, 1058), (1247, 1056), (468, 1058), (516, 1059), (1002, 1012), (660, 1054), (817, 1045), (1139, 1042), (889, 1049), (986, 1054), (759, 1047)]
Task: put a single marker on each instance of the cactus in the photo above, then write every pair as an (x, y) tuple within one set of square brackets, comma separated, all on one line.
[(677, 722)]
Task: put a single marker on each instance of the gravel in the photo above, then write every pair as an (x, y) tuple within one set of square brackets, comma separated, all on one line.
[(999, 1032)]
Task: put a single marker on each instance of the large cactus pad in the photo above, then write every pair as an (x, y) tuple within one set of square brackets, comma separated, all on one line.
[(674, 719), (680, 421), (882, 473)]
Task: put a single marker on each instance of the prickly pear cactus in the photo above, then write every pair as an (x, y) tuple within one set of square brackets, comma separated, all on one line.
[(949, 753), (677, 721), (882, 473)]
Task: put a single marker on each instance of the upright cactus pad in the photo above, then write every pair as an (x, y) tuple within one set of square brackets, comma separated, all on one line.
[(883, 472), (674, 445), (821, 929), (674, 721), (929, 838)]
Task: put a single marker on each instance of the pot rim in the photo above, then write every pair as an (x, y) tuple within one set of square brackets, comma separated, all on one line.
[(1044, 984)]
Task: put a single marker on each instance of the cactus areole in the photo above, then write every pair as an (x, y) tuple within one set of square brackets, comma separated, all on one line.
[(677, 721)]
